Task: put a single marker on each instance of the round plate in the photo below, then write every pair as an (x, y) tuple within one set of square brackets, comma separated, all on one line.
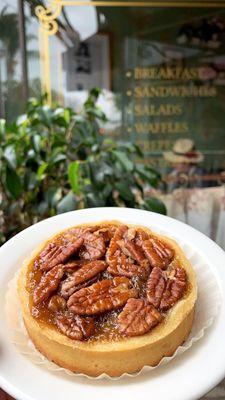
[(189, 376)]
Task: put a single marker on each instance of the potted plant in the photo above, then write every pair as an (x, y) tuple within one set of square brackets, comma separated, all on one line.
[(54, 160)]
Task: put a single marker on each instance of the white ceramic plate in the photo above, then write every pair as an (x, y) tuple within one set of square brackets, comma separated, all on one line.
[(187, 377)]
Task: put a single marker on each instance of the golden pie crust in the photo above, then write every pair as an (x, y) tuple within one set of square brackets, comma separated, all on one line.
[(114, 358)]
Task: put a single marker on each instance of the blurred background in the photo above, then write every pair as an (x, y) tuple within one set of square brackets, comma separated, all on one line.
[(116, 106)]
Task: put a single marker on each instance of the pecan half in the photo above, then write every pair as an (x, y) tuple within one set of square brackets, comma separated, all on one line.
[(58, 253), (57, 303), (48, 284), (157, 252), (73, 265), (81, 230), (93, 247), (141, 236), (74, 326), (165, 288), (85, 273), (138, 317), (134, 252), (131, 233), (125, 267), (67, 293), (121, 255), (102, 296), (106, 232), (155, 287), (130, 249), (114, 248)]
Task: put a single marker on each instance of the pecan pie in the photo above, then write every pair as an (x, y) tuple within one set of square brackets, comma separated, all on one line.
[(107, 298)]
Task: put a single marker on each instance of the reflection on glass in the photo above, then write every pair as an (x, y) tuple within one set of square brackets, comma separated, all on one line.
[(161, 71)]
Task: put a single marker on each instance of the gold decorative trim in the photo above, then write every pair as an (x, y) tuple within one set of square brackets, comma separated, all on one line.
[(47, 16), (110, 3), (48, 25)]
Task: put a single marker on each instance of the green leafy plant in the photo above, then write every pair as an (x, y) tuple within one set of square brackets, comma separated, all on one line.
[(53, 160)]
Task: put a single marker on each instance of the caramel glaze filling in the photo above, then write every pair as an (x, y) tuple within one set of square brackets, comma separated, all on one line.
[(105, 282)]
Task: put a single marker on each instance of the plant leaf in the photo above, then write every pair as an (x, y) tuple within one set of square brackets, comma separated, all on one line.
[(156, 205), (124, 160), (30, 180), (67, 115), (13, 183), (37, 142), (73, 174), (95, 92), (42, 207), (21, 119), (138, 150), (68, 203), (45, 115), (147, 174), (124, 191), (93, 199), (107, 190), (53, 196), (41, 171), (10, 156), (2, 127), (97, 113), (101, 171), (58, 157)]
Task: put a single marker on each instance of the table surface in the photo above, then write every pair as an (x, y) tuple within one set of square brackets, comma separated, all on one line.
[(216, 394)]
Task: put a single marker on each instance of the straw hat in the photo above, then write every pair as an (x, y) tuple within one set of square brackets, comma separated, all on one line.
[(183, 151)]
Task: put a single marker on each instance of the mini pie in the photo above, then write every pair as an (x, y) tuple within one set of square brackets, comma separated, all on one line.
[(107, 298)]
